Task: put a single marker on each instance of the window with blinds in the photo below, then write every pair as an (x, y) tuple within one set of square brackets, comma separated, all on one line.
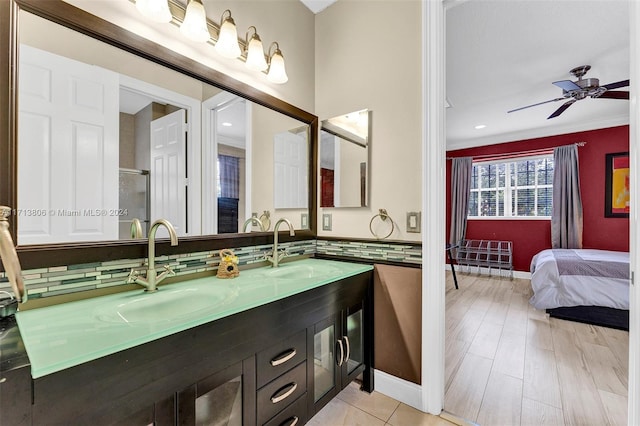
[(514, 187)]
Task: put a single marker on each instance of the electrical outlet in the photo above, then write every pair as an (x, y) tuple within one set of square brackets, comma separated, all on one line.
[(304, 220), (413, 221), (326, 221)]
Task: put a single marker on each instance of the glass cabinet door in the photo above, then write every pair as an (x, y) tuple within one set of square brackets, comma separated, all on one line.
[(216, 400), (324, 364), (221, 406), (354, 341)]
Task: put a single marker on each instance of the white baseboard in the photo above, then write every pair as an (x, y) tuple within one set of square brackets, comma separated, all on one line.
[(485, 271), (399, 389)]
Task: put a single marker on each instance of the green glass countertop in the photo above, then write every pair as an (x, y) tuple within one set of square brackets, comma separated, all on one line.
[(62, 336)]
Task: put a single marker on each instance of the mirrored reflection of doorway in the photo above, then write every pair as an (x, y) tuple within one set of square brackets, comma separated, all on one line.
[(153, 172), (227, 161), (231, 165)]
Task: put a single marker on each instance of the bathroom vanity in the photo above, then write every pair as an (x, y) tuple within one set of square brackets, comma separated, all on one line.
[(279, 344)]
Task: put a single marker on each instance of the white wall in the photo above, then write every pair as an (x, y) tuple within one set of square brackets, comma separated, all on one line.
[(368, 56)]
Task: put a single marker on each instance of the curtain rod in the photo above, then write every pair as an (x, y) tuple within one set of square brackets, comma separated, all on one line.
[(521, 153)]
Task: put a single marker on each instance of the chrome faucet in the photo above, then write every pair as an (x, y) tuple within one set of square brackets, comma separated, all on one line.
[(276, 257), (253, 220), (10, 257), (136, 228), (152, 279)]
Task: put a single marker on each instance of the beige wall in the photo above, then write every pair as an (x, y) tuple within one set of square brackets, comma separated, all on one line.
[(288, 22), (364, 62), (45, 35)]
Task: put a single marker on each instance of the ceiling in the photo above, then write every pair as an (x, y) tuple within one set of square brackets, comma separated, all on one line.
[(317, 5), (502, 55)]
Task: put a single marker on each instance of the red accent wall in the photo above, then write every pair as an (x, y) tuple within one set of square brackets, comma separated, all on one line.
[(531, 236)]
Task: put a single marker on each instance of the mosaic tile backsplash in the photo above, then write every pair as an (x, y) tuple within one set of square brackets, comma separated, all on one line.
[(57, 280), (393, 252)]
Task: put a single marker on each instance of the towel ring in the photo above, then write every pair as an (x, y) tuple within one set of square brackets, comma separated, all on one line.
[(265, 218), (383, 215)]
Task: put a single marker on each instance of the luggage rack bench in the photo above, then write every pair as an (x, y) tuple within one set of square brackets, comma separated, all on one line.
[(489, 254)]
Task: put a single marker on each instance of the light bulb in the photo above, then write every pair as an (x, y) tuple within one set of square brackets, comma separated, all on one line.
[(227, 44), (255, 54), (156, 10), (194, 25), (277, 73)]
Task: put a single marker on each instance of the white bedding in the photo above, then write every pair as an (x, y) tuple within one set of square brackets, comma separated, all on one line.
[(587, 277)]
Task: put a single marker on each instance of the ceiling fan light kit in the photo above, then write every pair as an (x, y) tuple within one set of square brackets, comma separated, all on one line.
[(582, 88)]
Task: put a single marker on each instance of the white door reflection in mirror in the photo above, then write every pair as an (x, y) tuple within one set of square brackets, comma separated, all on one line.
[(344, 160), (168, 172), (68, 157), (290, 165)]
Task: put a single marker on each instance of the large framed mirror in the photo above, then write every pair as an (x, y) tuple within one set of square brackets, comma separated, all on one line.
[(108, 129)]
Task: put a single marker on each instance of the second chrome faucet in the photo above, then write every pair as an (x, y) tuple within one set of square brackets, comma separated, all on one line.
[(152, 279), (276, 257)]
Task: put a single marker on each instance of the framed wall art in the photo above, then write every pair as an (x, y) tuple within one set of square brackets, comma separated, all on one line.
[(616, 202)]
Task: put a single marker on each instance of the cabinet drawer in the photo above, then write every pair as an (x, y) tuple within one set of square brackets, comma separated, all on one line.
[(281, 357), (281, 392), (294, 415)]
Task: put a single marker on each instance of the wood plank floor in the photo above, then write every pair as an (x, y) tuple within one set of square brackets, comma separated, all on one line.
[(510, 364)]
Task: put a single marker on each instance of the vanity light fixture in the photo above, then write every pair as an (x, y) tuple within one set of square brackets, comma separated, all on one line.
[(227, 44), (193, 23), (194, 26), (255, 51), (277, 73), (156, 10)]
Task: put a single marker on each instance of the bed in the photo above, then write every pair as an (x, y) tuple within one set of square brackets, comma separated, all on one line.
[(586, 285)]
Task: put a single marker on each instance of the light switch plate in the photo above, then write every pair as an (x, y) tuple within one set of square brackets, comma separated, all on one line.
[(304, 220), (326, 221), (413, 221)]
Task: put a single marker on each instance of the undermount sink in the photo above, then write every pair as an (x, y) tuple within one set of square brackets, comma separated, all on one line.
[(166, 305), (293, 271)]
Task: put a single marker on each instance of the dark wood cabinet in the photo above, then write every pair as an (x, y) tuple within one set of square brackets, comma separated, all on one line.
[(337, 347), (263, 357), (15, 397), (227, 215)]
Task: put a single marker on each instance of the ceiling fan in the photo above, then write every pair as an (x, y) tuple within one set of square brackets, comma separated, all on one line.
[(582, 88)]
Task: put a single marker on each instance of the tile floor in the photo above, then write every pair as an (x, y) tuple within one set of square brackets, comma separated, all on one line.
[(355, 408)]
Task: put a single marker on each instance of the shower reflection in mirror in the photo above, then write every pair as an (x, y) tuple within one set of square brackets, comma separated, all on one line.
[(344, 160)]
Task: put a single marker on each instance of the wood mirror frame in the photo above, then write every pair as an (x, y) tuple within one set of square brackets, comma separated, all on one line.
[(35, 256)]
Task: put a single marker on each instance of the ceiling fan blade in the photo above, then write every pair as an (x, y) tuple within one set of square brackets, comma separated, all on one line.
[(566, 85), (616, 85), (539, 103), (562, 108), (615, 95)]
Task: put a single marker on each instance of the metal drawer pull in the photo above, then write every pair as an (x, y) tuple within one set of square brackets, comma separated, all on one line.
[(277, 398), (284, 357), (294, 421), (341, 360), (346, 342)]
